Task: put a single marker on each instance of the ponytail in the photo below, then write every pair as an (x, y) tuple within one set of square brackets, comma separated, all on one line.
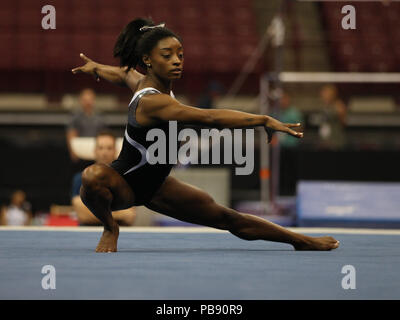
[(125, 47)]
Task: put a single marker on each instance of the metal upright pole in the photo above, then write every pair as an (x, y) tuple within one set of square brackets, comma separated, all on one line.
[(276, 110), (265, 171), (276, 31), (279, 51)]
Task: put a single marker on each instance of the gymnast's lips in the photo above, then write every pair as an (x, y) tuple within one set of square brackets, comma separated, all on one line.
[(176, 70)]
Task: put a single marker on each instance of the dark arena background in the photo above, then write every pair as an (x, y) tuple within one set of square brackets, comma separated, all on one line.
[(334, 66)]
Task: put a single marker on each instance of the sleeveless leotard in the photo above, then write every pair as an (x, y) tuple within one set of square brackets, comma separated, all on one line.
[(144, 178)]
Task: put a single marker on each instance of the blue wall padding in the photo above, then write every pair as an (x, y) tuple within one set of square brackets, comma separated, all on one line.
[(348, 204)]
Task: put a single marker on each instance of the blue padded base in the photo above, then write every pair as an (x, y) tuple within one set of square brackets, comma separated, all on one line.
[(348, 204)]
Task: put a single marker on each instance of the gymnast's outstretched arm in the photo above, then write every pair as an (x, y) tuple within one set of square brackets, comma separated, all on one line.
[(113, 74), (162, 107)]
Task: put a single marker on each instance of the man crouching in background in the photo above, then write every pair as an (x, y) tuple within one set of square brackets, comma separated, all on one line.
[(105, 152)]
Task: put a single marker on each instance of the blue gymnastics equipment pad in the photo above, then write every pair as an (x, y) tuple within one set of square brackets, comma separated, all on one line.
[(348, 204)]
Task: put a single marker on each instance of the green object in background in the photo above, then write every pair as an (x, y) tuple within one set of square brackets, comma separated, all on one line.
[(289, 115)]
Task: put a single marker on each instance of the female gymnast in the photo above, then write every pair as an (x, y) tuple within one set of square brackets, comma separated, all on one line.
[(132, 181)]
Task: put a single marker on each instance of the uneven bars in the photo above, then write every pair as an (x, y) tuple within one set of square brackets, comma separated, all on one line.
[(355, 77)]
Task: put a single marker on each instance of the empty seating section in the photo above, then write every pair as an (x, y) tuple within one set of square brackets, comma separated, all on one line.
[(217, 37), (374, 46)]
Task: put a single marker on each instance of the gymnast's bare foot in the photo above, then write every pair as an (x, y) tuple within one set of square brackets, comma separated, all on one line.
[(109, 239), (319, 244)]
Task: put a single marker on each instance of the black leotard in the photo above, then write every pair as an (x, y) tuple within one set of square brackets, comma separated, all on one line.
[(144, 178)]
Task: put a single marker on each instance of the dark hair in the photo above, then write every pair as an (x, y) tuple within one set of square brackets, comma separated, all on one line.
[(105, 132), (132, 43), (87, 90)]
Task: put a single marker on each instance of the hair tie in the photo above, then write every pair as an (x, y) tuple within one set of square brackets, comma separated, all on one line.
[(146, 28)]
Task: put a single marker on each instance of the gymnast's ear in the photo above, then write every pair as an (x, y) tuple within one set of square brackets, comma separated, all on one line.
[(146, 59)]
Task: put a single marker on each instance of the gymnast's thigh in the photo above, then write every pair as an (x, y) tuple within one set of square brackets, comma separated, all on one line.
[(185, 202)]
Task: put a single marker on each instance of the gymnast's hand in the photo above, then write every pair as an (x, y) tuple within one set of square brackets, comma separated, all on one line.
[(89, 67), (273, 125)]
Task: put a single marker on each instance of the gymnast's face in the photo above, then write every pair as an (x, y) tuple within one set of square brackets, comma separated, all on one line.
[(166, 59), (105, 150)]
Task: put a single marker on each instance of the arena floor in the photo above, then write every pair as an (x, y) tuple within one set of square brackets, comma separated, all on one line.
[(193, 264)]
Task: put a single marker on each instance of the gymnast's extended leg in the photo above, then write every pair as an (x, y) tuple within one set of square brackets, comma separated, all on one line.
[(187, 203)]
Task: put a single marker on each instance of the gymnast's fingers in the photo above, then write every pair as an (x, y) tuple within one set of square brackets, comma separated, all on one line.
[(293, 125), (86, 59), (77, 70), (295, 133)]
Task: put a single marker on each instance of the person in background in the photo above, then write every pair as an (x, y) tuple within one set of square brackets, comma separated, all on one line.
[(105, 153), (288, 168), (332, 126), (85, 122), (213, 92), (18, 212), (290, 114)]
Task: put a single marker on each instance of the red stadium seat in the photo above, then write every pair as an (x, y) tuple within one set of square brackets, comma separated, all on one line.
[(134, 9), (104, 46), (7, 56), (63, 21), (8, 22), (109, 19), (29, 5), (83, 43), (396, 52), (219, 36), (60, 4), (30, 20), (82, 21), (55, 54), (369, 47), (28, 51)]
